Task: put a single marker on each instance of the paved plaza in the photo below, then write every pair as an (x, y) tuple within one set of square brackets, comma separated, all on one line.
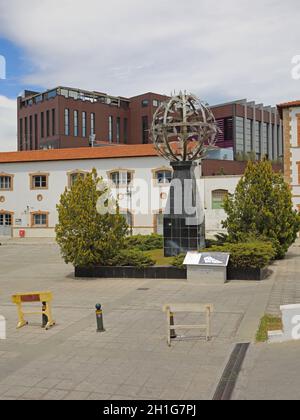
[(272, 371), (131, 360)]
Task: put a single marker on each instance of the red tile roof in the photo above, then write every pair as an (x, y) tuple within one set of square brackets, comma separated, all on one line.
[(291, 104), (107, 152)]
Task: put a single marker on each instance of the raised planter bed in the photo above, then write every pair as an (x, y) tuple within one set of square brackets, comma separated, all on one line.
[(254, 274), (155, 272)]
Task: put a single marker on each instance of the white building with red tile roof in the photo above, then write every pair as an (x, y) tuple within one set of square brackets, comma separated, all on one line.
[(31, 183)]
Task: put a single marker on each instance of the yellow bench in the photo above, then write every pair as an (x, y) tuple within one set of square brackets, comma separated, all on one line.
[(44, 297)]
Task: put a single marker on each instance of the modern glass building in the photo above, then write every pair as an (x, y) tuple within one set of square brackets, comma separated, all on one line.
[(250, 129)]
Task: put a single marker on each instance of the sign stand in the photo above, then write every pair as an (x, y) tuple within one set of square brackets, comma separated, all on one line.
[(207, 268)]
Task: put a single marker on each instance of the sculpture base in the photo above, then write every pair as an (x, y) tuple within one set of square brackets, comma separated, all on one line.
[(184, 221), (181, 237)]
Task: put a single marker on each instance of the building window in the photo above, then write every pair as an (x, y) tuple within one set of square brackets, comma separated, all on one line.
[(42, 125), (145, 130), (73, 177), (39, 219), (155, 103), (228, 129), (48, 123), (67, 122), (39, 181), (30, 133), (163, 176), (53, 122), (218, 197), (6, 182), (84, 124), (125, 128), (75, 123), (26, 133), (121, 178), (111, 129), (21, 135), (35, 131), (52, 94), (145, 103), (6, 219), (93, 119), (118, 129)]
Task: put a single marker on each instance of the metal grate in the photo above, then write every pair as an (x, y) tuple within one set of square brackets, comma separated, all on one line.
[(230, 375)]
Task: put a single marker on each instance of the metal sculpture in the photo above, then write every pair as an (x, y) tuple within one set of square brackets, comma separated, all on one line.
[(184, 128)]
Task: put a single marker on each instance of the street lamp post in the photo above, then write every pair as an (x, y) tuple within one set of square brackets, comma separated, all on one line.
[(129, 194)]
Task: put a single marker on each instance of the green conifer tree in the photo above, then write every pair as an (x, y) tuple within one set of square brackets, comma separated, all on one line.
[(262, 207), (85, 236)]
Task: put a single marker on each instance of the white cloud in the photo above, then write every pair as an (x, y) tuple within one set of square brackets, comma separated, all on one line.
[(8, 129), (232, 49)]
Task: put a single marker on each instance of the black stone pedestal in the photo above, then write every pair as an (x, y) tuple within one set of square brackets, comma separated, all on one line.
[(184, 222)]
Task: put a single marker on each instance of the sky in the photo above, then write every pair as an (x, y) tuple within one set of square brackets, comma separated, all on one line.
[(221, 51)]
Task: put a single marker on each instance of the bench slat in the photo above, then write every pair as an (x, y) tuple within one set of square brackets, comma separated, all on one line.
[(188, 327), (187, 307)]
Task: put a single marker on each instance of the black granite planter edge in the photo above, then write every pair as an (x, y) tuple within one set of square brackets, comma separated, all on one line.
[(157, 272), (250, 274), (164, 272)]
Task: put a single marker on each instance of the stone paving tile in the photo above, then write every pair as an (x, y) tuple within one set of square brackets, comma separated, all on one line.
[(98, 397), (271, 372), (34, 393), (77, 396), (15, 391), (131, 360), (48, 383), (286, 289), (55, 394)]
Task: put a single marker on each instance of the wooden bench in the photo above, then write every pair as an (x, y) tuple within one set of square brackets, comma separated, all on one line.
[(173, 308)]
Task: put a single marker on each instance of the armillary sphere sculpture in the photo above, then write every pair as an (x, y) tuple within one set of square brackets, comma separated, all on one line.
[(184, 128)]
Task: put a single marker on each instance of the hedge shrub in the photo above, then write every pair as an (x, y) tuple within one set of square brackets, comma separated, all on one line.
[(248, 254), (178, 261), (242, 255), (144, 242), (131, 258)]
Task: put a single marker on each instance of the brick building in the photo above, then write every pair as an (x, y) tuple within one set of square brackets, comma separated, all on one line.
[(68, 118), (250, 129)]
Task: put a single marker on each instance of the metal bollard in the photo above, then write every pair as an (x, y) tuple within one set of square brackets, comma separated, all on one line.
[(173, 332), (99, 318)]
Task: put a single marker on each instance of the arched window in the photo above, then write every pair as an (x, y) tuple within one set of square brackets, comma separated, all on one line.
[(218, 197)]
